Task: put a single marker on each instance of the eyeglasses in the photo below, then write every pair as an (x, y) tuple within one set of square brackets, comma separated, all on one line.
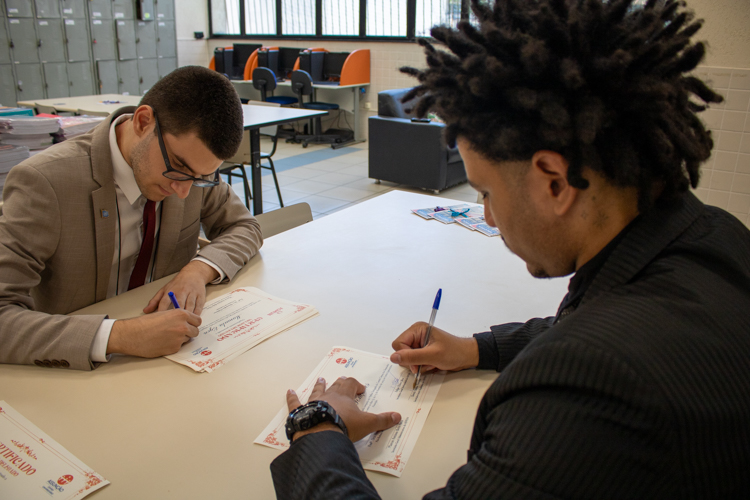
[(176, 175)]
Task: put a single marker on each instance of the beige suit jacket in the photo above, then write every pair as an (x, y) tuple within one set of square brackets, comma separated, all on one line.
[(57, 242)]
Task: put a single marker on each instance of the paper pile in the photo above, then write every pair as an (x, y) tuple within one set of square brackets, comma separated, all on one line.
[(72, 126), (10, 156), (236, 322), (469, 215), (31, 131)]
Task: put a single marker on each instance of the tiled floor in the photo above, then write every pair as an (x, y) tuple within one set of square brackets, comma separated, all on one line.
[(329, 180)]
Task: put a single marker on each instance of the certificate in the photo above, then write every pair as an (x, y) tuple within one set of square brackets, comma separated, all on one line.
[(388, 388), (33, 465), (235, 322)]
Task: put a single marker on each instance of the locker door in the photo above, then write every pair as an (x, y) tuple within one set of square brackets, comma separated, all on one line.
[(18, 8), (7, 86), (166, 66), (123, 9), (165, 10), (77, 39), (80, 79), (100, 9), (56, 80), (47, 8), (29, 80), (5, 44), (103, 39), (23, 40), (145, 39), (165, 39), (73, 9), (51, 41), (127, 72), (125, 39), (148, 73), (106, 71)]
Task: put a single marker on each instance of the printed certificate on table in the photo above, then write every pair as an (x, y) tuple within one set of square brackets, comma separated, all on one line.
[(389, 388), (33, 465), (238, 321)]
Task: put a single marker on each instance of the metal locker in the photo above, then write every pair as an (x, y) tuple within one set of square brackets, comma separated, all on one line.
[(29, 82), (123, 9), (125, 39), (145, 39), (103, 39), (51, 46), (73, 9), (18, 8), (165, 39), (164, 10), (55, 80), (100, 9), (47, 9), (106, 72), (23, 40), (5, 44), (80, 78), (166, 66), (127, 72), (77, 39), (7, 86), (148, 73)]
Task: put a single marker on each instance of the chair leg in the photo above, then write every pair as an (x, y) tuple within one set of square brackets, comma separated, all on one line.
[(246, 185), (276, 181)]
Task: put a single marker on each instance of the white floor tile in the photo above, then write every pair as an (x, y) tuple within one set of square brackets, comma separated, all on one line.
[(346, 193), (309, 186), (337, 178), (369, 185), (360, 170), (300, 173), (321, 204)]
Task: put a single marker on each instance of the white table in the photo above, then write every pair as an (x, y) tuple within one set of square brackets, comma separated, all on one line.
[(346, 96), (257, 117), (157, 430), (99, 104)]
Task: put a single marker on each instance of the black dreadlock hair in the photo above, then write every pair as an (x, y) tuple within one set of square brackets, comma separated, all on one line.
[(603, 84)]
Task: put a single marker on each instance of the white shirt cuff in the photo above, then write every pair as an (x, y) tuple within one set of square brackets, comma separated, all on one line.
[(99, 346), (222, 274)]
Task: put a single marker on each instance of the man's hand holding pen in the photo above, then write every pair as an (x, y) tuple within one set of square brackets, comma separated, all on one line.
[(443, 352)]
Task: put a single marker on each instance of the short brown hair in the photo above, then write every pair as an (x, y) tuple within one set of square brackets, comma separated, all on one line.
[(200, 100)]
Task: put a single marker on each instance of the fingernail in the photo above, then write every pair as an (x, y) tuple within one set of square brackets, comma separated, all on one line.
[(342, 377), (321, 380), (290, 391), (396, 357), (396, 418)]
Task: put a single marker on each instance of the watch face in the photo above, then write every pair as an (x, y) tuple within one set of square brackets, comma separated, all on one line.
[(305, 418)]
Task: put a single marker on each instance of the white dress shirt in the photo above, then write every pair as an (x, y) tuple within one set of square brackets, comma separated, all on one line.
[(129, 224)]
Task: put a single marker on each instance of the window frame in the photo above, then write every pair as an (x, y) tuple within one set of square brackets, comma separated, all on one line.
[(411, 13)]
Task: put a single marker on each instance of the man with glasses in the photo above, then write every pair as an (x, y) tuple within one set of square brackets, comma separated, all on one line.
[(114, 209)]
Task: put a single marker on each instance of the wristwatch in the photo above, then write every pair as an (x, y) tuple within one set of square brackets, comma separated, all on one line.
[(309, 415)]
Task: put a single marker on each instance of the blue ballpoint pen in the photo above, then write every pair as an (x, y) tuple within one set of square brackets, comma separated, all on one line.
[(435, 307), (174, 300)]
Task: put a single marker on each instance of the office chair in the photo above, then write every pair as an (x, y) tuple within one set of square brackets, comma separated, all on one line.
[(265, 81), (302, 85)]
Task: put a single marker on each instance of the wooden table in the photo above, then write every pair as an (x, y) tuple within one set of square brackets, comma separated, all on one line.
[(99, 104), (158, 430)]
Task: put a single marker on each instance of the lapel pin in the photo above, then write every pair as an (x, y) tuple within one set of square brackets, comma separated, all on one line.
[(105, 214)]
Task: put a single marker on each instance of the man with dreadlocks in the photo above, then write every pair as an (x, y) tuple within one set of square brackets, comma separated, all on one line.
[(577, 123)]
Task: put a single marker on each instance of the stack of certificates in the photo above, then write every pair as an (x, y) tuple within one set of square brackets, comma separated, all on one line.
[(236, 322), (469, 215)]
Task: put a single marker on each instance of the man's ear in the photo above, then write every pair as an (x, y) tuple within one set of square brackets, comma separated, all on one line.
[(549, 175), (143, 121)]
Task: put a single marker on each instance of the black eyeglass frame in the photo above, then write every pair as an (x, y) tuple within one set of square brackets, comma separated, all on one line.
[(176, 175)]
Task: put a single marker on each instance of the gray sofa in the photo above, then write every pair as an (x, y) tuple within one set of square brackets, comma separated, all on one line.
[(408, 152)]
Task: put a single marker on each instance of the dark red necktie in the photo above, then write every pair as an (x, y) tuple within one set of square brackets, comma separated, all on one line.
[(138, 277)]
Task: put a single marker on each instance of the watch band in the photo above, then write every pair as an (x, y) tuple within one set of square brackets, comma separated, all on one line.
[(311, 414)]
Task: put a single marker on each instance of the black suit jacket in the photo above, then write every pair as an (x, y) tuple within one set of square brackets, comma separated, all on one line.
[(642, 391)]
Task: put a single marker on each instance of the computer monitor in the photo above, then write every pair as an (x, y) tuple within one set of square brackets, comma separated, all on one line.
[(332, 65), (241, 53), (287, 59)]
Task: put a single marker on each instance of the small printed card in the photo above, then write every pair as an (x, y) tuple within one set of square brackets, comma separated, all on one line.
[(33, 465), (469, 215), (388, 388)]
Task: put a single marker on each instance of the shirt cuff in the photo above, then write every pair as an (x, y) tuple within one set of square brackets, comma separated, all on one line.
[(99, 346), (222, 274)]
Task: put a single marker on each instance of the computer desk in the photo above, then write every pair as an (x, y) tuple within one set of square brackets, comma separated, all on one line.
[(157, 430), (98, 104), (346, 96)]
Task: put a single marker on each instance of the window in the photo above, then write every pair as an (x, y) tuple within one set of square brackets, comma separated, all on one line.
[(260, 17)]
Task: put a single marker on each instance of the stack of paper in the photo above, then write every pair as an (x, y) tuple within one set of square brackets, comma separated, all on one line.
[(72, 126), (33, 465), (469, 215), (236, 322), (389, 387), (31, 131), (10, 156)]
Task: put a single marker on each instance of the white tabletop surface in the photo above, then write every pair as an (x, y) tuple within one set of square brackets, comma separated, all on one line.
[(93, 104), (262, 116), (156, 429)]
